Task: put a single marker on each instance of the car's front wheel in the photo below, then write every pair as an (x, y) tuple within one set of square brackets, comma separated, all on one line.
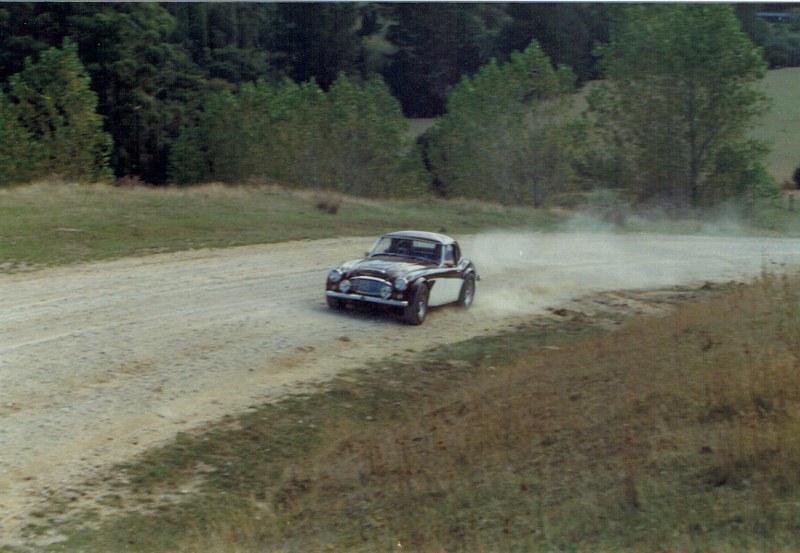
[(467, 295), (417, 309)]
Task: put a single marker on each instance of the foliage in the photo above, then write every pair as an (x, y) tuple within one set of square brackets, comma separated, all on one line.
[(232, 41), (679, 98), (782, 45), (436, 45), (350, 139), (780, 39), (318, 40), (566, 31), (19, 155), (27, 29), (154, 67), (147, 85), (503, 137), (56, 108)]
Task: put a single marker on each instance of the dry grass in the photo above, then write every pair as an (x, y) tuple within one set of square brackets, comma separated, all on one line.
[(679, 433), (672, 433)]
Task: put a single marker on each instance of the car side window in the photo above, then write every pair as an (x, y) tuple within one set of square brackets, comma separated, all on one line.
[(449, 255)]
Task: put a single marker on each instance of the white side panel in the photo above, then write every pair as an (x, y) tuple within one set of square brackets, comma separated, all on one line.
[(445, 290)]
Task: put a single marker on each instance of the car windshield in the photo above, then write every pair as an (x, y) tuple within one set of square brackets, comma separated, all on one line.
[(399, 246)]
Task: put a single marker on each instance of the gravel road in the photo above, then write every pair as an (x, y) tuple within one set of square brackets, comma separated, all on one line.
[(101, 361)]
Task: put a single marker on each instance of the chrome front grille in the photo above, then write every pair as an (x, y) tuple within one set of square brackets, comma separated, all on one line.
[(368, 286)]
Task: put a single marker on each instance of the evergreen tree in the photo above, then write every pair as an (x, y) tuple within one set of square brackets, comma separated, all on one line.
[(58, 109), (29, 28), (365, 142), (433, 51), (318, 40), (19, 154), (566, 31), (351, 139), (148, 87), (502, 138)]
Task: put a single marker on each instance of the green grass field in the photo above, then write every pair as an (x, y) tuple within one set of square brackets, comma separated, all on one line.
[(54, 224), (781, 126)]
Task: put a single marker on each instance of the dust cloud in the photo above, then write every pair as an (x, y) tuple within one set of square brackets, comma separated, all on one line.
[(527, 272)]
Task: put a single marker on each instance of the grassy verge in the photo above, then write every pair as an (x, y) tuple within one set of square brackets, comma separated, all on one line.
[(47, 224), (679, 432), (58, 224)]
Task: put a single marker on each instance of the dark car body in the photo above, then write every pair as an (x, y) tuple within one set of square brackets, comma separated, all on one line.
[(410, 270)]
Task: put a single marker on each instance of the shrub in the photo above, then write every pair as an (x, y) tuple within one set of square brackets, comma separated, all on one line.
[(503, 138), (351, 139)]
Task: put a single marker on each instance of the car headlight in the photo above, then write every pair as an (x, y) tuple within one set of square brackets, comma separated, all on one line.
[(386, 292), (335, 276), (344, 286), (401, 284)]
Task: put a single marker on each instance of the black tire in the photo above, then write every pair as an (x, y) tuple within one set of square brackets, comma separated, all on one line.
[(467, 295), (334, 303), (417, 309)]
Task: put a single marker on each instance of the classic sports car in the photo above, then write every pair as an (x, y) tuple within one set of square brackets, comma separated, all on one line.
[(409, 269)]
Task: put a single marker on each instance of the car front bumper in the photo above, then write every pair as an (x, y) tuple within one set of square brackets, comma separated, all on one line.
[(361, 297)]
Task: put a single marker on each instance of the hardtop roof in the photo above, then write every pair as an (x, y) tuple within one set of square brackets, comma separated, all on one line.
[(422, 235)]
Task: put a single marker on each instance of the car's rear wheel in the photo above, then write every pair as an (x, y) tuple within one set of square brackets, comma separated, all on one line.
[(467, 295), (417, 309)]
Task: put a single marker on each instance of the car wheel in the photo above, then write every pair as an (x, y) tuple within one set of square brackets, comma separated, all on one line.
[(467, 295), (334, 303), (416, 311)]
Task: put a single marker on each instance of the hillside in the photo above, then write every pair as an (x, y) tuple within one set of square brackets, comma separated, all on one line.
[(781, 126)]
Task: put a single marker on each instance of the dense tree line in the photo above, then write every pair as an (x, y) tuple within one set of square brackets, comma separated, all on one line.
[(351, 139), (315, 94), (154, 66)]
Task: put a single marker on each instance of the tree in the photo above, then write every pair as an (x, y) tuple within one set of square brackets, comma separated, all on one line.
[(57, 108), (19, 154), (366, 149), (678, 98), (147, 86), (503, 137), (566, 32), (229, 40), (318, 40), (351, 139), (29, 28), (436, 45)]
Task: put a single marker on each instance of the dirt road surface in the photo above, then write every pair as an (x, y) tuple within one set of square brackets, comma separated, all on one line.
[(100, 361)]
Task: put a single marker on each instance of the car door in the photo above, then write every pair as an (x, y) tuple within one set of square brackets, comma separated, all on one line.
[(447, 279)]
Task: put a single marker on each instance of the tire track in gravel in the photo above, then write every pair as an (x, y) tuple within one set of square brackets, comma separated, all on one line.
[(101, 361)]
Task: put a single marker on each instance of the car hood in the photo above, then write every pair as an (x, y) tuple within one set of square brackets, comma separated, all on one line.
[(382, 268)]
